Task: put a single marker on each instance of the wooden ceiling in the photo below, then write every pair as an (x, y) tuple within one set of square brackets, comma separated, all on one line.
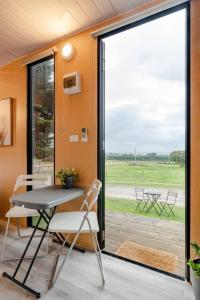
[(26, 25)]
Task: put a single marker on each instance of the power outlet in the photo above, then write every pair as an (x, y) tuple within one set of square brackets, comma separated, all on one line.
[(73, 138)]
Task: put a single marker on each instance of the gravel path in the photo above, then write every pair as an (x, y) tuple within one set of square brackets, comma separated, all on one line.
[(128, 192)]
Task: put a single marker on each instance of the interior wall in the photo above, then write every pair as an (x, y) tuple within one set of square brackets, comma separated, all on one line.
[(72, 112), (80, 110), (195, 120), (76, 111), (13, 158)]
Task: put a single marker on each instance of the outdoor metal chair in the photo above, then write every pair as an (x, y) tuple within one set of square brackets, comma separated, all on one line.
[(141, 199), (168, 206)]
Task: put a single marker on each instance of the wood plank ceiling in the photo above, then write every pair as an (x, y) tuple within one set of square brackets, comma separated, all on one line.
[(26, 25)]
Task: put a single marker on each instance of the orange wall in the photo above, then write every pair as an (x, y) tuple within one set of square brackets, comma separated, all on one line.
[(72, 113), (195, 120), (76, 111), (80, 110), (13, 158)]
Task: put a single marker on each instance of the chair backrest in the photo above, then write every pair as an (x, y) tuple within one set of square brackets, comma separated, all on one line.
[(139, 192), (171, 197), (92, 194), (34, 180)]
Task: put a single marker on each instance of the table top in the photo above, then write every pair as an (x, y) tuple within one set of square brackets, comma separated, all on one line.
[(153, 193), (46, 197)]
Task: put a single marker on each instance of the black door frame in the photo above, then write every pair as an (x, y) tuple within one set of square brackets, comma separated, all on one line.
[(101, 133), (29, 119)]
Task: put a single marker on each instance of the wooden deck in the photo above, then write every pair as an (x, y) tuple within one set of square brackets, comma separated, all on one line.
[(158, 234)]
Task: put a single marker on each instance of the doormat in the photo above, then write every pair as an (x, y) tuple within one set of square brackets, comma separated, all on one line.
[(152, 257)]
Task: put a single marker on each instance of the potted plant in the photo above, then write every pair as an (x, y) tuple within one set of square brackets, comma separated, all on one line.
[(67, 177), (195, 267)]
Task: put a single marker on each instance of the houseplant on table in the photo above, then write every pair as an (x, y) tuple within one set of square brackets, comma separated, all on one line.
[(195, 273), (67, 177)]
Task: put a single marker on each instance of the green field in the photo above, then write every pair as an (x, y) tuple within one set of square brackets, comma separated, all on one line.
[(147, 174), (128, 206), (143, 174)]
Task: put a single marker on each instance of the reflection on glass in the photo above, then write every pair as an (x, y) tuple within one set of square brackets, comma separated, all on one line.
[(43, 117)]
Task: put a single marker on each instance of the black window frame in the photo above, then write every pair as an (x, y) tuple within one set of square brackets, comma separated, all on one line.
[(30, 119), (101, 133)]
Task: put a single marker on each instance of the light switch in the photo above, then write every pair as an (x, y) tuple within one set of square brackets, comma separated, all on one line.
[(84, 135), (73, 138)]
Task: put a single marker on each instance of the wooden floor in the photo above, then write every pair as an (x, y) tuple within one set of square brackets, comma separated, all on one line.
[(80, 279), (154, 233)]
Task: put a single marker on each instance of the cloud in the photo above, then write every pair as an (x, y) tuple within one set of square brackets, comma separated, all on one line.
[(132, 131), (145, 87)]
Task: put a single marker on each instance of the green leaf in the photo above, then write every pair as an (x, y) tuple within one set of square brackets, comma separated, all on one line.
[(196, 248)]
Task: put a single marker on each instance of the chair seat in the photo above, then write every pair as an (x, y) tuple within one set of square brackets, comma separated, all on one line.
[(165, 203), (70, 222), (20, 212)]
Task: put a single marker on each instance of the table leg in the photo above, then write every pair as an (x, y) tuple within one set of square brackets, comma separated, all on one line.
[(159, 208), (151, 204), (146, 205), (155, 203), (13, 278), (47, 218)]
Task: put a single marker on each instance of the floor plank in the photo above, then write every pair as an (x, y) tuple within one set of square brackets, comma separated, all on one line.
[(80, 279), (154, 233)]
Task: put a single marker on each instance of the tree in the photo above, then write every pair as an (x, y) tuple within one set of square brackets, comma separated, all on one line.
[(178, 157), (44, 137), (43, 92)]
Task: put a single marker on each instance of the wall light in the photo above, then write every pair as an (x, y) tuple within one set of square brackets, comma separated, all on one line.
[(68, 51)]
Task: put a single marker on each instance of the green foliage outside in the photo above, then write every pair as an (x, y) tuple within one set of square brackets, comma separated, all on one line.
[(44, 137), (178, 157), (147, 174), (43, 109), (128, 206), (138, 157), (156, 175)]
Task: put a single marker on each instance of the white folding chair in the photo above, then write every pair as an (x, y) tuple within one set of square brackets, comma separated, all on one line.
[(36, 181), (168, 205), (77, 222)]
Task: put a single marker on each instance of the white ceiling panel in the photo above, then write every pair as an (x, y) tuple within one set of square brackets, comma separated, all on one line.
[(77, 12), (91, 10), (27, 25), (106, 8)]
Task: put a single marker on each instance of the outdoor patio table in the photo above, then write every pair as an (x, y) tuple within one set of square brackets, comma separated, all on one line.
[(45, 200), (153, 199)]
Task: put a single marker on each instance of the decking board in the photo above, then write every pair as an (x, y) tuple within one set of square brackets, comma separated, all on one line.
[(155, 233)]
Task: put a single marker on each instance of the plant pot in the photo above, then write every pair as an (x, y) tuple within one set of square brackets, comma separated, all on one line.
[(68, 182), (195, 282)]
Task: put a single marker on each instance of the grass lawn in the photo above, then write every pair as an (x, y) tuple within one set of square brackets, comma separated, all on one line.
[(128, 206), (147, 174)]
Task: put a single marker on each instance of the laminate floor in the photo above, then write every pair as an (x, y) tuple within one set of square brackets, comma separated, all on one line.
[(80, 279)]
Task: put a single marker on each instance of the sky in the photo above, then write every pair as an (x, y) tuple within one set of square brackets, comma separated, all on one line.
[(145, 87)]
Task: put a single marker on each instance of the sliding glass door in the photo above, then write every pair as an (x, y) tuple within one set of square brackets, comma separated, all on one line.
[(143, 125)]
